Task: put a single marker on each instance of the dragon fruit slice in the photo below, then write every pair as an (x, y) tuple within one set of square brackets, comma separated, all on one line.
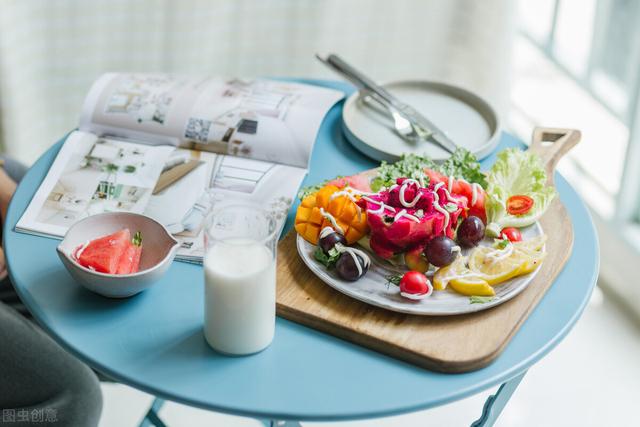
[(406, 216)]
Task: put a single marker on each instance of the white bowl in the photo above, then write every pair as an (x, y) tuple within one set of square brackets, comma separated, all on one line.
[(158, 250)]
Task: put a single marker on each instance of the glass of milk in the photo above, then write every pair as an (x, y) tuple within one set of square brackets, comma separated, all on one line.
[(240, 279)]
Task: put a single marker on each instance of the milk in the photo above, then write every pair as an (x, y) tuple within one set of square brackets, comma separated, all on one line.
[(240, 296)]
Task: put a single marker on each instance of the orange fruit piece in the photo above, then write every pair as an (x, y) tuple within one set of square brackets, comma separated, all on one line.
[(308, 219), (317, 211), (323, 196)]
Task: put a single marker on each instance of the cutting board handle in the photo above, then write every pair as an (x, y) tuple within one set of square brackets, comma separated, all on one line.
[(551, 144)]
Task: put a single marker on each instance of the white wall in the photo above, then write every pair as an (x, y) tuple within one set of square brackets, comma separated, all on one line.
[(51, 51)]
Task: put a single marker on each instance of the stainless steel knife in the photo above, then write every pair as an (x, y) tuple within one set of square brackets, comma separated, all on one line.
[(424, 127)]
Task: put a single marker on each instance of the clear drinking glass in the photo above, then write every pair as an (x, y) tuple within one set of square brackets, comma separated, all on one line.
[(240, 278)]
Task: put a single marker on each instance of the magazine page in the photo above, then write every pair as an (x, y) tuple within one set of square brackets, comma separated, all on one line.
[(220, 179), (91, 175), (261, 119)]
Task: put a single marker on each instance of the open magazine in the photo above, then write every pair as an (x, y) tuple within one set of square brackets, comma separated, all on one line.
[(171, 147)]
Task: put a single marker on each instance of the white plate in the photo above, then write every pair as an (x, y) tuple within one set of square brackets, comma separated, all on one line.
[(465, 117), (373, 288)]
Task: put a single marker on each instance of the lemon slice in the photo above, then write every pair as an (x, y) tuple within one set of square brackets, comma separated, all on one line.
[(532, 251), (534, 244), (472, 286), (496, 266), (443, 275), (532, 263), (461, 279)]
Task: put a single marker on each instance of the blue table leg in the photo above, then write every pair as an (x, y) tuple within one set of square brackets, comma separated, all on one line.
[(152, 419), (496, 402)]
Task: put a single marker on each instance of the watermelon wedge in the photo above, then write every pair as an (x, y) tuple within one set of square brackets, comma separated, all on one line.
[(103, 254), (359, 181), (130, 259)]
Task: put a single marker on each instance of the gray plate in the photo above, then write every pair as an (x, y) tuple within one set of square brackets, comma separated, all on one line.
[(373, 289), (465, 117)]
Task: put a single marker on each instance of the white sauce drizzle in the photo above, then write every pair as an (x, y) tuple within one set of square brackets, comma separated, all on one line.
[(354, 254), (474, 193), (382, 205), (474, 190), (403, 201), (447, 193), (499, 254), (332, 220), (450, 197), (380, 210), (343, 193), (325, 232), (453, 275), (417, 297), (410, 180), (450, 184), (436, 206), (403, 213), (347, 192)]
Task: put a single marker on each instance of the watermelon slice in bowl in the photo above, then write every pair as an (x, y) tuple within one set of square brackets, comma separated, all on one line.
[(100, 254), (107, 254)]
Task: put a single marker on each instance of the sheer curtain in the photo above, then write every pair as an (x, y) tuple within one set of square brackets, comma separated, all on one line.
[(51, 51)]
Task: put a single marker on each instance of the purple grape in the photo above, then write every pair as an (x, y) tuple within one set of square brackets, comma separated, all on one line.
[(440, 251), (347, 269), (330, 240), (470, 232)]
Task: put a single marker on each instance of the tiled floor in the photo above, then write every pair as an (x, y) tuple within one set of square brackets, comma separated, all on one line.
[(591, 379)]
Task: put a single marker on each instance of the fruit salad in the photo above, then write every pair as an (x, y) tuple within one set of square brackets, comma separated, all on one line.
[(432, 220), (116, 253), (407, 215)]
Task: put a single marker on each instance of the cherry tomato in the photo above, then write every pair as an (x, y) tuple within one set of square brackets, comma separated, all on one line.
[(415, 283), (511, 233), (519, 205)]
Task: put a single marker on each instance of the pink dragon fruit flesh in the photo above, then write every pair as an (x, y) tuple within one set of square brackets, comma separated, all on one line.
[(406, 216)]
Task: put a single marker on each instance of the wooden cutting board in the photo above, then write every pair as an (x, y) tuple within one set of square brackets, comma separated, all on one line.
[(448, 343)]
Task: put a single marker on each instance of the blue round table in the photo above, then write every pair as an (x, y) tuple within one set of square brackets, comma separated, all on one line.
[(154, 341)]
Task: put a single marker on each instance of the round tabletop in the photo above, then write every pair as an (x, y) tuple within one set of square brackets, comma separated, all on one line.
[(154, 341)]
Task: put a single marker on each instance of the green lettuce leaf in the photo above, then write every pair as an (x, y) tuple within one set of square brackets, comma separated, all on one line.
[(461, 164), (409, 166), (474, 299), (328, 261), (516, 172)]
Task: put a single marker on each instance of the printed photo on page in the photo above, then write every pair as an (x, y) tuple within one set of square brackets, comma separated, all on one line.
[(93, 175)]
